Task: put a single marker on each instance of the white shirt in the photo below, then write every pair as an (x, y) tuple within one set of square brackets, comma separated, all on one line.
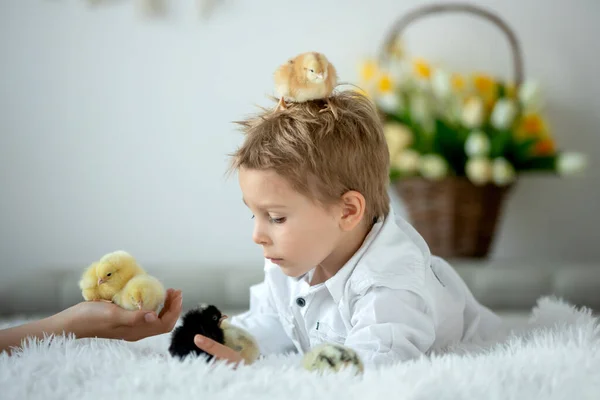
[(392, 301)]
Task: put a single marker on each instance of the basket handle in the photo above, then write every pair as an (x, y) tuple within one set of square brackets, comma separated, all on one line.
[(402, 23)]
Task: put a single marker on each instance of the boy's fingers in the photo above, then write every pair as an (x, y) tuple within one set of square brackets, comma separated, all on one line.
[(218, 350)]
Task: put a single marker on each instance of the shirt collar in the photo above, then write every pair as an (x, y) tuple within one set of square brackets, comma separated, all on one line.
[(336, 283)]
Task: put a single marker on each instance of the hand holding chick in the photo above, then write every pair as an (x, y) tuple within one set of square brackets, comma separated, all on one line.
[(240, 340), (105, 278), (308, 76), (108, 320), (233, 343), (142, 292)]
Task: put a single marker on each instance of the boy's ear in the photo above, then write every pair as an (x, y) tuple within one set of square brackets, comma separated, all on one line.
[(353, 209)]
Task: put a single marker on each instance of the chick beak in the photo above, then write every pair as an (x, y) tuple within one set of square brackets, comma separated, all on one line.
[(320, 76), (222, 318), (139, 305), (100, 281)]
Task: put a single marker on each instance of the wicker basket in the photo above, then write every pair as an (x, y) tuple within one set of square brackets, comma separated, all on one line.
[(455, 217)]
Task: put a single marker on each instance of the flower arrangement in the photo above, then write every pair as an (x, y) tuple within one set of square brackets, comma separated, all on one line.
[(440, 123)]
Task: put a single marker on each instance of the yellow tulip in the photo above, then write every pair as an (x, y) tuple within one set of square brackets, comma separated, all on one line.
[(532, 125), (544, 147), (484, 84), (368, 70), (421, 68), (385, 83), (458, 82), (511, 90)]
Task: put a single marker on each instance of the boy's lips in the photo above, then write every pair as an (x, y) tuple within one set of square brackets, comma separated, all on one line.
[(274, 259)]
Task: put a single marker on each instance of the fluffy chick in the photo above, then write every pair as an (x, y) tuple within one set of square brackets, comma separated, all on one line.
[(241, 341), (308, 76), (331, 357), (207, 320), (142, 292), (105, 278), (204, 320)]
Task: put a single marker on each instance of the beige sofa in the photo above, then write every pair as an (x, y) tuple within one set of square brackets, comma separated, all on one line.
[(505, 285)]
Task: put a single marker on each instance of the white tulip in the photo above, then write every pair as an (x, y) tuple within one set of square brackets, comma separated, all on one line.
[(503, 172), (400, 73), (398, 136), (504, 114), (530, 95), (479, 170), (571, 163), (473, 113), (389, 102), (433, 166), (477, 144), (407, 161), (440, 84)]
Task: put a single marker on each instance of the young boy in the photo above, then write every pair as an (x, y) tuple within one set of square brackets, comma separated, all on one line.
[(340, 267)]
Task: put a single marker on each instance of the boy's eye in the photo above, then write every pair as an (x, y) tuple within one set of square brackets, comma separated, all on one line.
[(277, 220)]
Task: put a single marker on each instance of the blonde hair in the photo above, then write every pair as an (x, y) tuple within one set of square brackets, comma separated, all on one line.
[(322, 148)]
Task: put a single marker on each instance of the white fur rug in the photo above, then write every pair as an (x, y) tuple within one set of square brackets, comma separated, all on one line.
[(556, 356)]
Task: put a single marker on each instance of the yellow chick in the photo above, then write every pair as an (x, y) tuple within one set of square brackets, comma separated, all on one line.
[(239, 340), (142, 292), (105, 278), (332, 357), (308, 76)]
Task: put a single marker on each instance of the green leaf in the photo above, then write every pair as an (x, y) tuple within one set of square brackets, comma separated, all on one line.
[(395, 174), (522, 150), (544, 163), (501, 90), (499, 142), (449, 143)]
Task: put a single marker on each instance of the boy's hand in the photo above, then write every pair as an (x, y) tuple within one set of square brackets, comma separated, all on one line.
[(219, 351), (107, 320)]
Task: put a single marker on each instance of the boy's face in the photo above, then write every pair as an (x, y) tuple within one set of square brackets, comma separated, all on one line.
[(294, 232)]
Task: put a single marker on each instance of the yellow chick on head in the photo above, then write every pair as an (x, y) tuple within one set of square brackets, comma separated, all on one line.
[(332, 357), (142, 292), (239, 340), (105, 278), (308, 76)]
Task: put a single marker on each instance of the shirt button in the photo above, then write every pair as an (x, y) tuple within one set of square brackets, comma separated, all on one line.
[(301, 302)]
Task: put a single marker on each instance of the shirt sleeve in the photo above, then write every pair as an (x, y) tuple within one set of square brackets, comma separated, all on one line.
[(389, 326), (262, 322)]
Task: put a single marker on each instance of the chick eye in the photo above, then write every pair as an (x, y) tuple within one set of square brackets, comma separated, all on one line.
[(109, 274), (215, 318), (312, 70)]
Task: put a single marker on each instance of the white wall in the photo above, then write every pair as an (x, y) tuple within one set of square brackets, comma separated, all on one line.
[(114, 130)]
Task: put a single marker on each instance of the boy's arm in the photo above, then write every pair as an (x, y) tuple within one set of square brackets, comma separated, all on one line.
[(390, 325), (262, 321)]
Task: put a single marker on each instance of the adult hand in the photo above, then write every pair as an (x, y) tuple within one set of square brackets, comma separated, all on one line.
[(108, 320)]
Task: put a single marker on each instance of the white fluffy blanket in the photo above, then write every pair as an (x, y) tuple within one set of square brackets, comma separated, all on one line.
[(556, 356)]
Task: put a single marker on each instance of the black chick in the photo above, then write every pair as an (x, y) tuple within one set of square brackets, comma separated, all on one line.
[(204, 320)]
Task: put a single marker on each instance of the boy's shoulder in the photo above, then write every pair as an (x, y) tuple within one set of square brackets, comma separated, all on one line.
[(394, 255)]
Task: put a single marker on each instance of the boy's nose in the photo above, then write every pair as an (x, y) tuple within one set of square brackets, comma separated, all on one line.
[(259, 237)]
